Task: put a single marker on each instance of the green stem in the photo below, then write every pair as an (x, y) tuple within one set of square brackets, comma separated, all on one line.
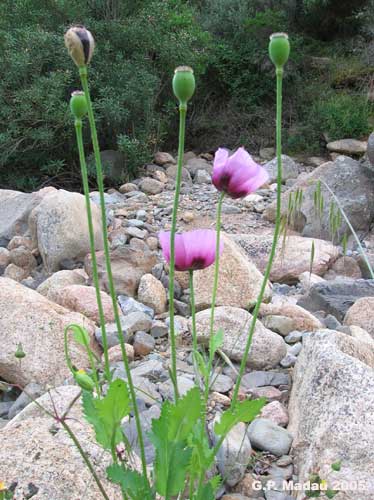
[(193, 312), (100, 182), (279, 74), (95, 274), (178, 180), (85, 458)]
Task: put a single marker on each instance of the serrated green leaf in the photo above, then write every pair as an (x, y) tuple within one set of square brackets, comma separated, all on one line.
[(206, 492), (215, 342), (170, 435), (132, 483), (106, 414), (336, 466), (245, 411)]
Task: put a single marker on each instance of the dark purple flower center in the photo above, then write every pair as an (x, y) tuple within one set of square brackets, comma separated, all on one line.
[(197, 263)]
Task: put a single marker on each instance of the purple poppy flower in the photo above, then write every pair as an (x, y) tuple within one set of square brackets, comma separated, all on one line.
[(193, 250), (237, 175)]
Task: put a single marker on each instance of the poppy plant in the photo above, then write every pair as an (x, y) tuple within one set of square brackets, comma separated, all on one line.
[(193, 250), (237, 175)]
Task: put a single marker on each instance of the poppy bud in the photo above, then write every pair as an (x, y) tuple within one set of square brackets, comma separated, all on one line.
[(80, 44), (20, 353), (78, 104), (279, 49), (84, 380), (183, 84)]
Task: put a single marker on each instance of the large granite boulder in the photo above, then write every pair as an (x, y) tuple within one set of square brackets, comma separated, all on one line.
[(239, 280), (29, 318), (37, 455), (332, 412), (267, 349), (60, 230), (352, 183)]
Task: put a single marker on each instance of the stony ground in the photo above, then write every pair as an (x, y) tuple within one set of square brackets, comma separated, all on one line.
[(312, 354)]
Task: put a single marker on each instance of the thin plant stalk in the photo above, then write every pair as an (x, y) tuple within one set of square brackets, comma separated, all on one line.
[(85, 458), (95, 274), (178, 180), (100, 182), (279, 76), (193, 312)]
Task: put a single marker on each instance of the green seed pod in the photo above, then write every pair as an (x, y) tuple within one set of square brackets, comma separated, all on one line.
[(84, 380), (279, 49), (80, 44), (78, 104), (183, 84), (20, 353)]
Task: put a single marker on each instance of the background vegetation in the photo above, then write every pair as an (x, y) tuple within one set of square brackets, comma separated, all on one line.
[(328, 86)]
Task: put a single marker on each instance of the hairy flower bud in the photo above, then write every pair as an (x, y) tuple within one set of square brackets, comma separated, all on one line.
[(279, 49), (20, 353), (183, 84), (80, 44), (84, 380), (78, 104)]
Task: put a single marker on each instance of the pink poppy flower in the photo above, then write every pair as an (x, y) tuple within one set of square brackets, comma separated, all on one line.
[(237, 175), (193, 250)]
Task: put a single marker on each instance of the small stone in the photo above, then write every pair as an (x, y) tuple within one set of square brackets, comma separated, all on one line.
[(361, 314), (143, 343), (279, 324), (347, 266), (152, 293), (152, 243), (308, 279), (182, 308), (159, 329), (4, 257), (20, 241), (284, 461), (202, 177), (5, 406), (184, 385), (15, 273), (348, 146), (331, 322), (129, 305), (270, 393), (220, 399), (151, 186), (135, 232), (171, 172), (130, 430), (161, 158), (294, 337), (275, 412), (23, 257), (136, 321), (187, 216), (128, 188), (295, 349), (222, 383), (231, 209), (288, 361), (267, 436), (264, 378), (115, 353)]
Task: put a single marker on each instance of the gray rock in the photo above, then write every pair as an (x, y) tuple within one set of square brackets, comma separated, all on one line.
[(221, 383), (195, 165), (277, 495), (5, 406), (280, 324), (267, 436), (185, 383), (267, 349), (295, 349), (129, 305), (151, 368), (32, 389), (290, 169), (143, 343), (294, 337), (135, 223), (347, 146), (151, 186), (159, 329), (262, 379), (332, 410), (129, 428), (288, 361), (141, 215), (336, 297), (112, 334), (135, 232), (234, 454), (352, 183), (202, 177), (331, 322)]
